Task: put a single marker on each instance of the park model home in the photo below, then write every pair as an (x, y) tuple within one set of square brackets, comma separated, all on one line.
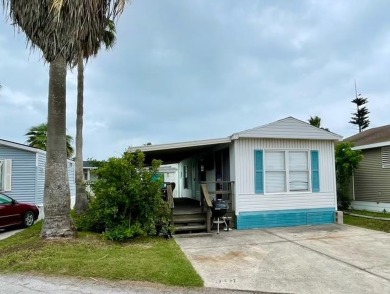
[(371, 180), (22, 172), (280, 174)]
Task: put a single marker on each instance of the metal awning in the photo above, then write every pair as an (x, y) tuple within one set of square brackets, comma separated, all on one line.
[(176, 152)]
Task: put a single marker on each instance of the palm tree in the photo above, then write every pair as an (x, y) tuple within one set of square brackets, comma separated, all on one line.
[(37, 138), (315, 121), (108, 39), (61, 29)]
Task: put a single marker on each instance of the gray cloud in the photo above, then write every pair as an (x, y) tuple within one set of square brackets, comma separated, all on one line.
[(186, 70)]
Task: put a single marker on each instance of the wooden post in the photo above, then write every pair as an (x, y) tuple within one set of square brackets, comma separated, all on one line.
[(208, 220), (171, 204), (207, 200)]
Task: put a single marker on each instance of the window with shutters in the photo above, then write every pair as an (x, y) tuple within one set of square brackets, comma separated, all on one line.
[(275, 171), (286, 171), (298, 165), (386, 157)]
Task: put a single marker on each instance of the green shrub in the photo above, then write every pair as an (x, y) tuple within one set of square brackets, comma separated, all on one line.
[(128, 201), (123, 233), (347, 160)]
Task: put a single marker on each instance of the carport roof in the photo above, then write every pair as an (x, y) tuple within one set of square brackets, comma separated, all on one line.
[(176, 152)]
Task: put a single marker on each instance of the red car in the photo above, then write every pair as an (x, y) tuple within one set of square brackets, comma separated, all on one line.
[(13, 213)]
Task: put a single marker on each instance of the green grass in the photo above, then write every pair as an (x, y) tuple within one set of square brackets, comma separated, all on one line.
[(370, 213), (373, 224), (89, 255)]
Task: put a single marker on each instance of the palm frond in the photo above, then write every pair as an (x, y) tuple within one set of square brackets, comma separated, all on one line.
[(62, 27)]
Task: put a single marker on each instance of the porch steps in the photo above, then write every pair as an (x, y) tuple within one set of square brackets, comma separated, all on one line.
[(189, 223)]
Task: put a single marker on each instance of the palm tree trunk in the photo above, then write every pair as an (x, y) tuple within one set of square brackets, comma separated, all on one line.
[(57, 222), (81, 195)]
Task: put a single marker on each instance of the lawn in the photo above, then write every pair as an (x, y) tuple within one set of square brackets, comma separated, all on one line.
[(89, 255), (373, 224)]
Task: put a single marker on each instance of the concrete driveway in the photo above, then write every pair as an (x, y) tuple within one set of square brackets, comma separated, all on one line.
[(317, 259), (4, 234)]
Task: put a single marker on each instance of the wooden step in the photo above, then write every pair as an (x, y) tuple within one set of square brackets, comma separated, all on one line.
[(190, 228), (189, 219), (193, 235)]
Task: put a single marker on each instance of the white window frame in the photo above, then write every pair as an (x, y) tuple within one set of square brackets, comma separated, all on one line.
[(385, 155), (6, 175), (2, 174), (287, 171)]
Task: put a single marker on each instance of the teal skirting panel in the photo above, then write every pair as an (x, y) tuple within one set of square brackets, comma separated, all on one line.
[(285, 218)]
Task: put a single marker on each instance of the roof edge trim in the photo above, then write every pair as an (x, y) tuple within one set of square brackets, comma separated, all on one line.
[(370, 146), (187, 144), (21, 146)]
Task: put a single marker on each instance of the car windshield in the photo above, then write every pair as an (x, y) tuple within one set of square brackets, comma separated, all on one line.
[(4, 199)]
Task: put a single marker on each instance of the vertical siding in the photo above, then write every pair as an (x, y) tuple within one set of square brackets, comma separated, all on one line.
[(372, 181), (247, 200), (233, 173), (23, 173)]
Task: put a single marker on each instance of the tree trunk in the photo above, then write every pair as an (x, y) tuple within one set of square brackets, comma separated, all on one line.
[(81, 195), (57, 222)]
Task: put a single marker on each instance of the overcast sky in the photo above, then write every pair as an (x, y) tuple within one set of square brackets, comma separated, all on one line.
[(194, 69)]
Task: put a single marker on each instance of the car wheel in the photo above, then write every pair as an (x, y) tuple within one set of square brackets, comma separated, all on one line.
[(28, 219)]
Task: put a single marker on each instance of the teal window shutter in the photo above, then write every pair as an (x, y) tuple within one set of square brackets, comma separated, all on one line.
[(315, 171), (259, 173)]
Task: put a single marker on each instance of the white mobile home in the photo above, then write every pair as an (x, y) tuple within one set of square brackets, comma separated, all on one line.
[(279, 174)]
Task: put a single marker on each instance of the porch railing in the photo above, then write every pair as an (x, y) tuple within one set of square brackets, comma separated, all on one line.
[(206, 204), (220, 190)]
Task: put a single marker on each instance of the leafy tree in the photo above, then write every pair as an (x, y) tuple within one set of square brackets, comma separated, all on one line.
[(108, 40), (316, 122), (360, 117), (347, 160), (37, 138), (128, 201), (61, 29)]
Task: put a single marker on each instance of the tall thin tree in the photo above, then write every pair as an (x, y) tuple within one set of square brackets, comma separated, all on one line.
[(360, 117), (107, 39), (61, 29)]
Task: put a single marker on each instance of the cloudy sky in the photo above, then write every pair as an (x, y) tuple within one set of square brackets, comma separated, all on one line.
[(185, 70)]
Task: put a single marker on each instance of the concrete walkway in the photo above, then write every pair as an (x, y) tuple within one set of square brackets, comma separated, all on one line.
[(318, 259)]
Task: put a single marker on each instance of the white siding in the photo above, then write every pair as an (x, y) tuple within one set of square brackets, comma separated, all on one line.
[(260, 202), (247, 200), (233, 173)]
